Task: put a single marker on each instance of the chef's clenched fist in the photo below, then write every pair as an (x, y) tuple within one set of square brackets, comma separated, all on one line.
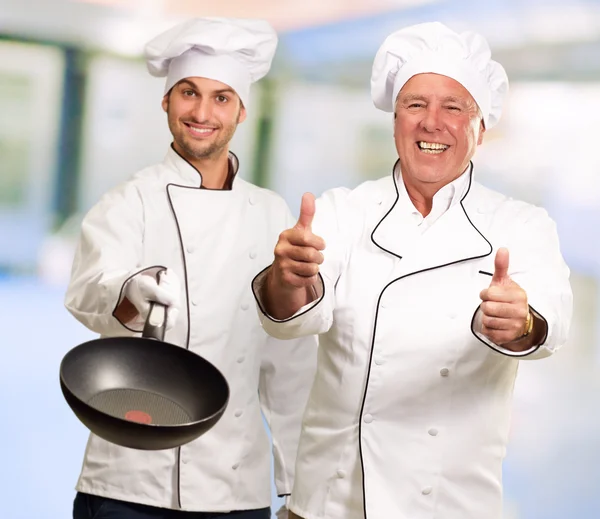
[(506, 318), (296, 266)]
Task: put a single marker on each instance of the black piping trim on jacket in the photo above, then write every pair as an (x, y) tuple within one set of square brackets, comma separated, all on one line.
[(187, 291), (505, 351), (258, 302), (391, 209), (187, 304), (362, 407), (160, 269), (185, 275), (231, 173)]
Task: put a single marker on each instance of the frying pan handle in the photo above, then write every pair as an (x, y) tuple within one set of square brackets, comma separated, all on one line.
[(156, 322)]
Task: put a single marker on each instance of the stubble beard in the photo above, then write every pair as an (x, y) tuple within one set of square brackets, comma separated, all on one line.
[(199, 150)]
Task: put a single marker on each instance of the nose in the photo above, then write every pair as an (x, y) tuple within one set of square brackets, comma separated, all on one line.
[(202, 110), (432, 121)]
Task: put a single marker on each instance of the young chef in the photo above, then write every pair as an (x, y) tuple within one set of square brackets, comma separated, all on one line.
[(192, 216)]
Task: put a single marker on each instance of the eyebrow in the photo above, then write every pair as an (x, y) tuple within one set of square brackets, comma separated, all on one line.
[(458, 100), (412, 97), (216, 92), (224, 91), (448, 99)]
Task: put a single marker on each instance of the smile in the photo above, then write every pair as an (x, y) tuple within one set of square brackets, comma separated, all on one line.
[(200, 132), (432, 148)]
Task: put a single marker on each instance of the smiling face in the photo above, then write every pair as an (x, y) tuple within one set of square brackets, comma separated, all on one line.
[(203, 115), (437, 129)]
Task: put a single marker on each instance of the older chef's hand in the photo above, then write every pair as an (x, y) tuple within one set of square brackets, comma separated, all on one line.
[(506, 315), (295, 270), (143, 289)]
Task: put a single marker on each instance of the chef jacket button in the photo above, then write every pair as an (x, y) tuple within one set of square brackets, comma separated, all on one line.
[(368, 418), (235, 466), (190, 249), (426, 491), (452, 315), (244, 306), (241, 359), (444, 372), (184, 461), (238, 413), (252, 255), (251, 200), (341, 474), (481, 210), (379, 361), (433, 432), (194, 302)]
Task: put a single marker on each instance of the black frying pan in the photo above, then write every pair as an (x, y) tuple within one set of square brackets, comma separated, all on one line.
[(143, 393)]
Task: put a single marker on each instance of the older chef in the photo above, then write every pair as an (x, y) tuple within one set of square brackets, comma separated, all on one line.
[(426, 289), (212, 231)]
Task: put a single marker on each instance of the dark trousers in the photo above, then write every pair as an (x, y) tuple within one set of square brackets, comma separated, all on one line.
[(87, 506)]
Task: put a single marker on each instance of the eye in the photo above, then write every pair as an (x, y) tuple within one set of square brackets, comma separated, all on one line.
[(188, 92), (222, 99), (454, 108), (415, 105)]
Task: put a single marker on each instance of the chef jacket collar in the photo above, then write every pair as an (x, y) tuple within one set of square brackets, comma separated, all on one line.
[(190, 175), (447, 197)]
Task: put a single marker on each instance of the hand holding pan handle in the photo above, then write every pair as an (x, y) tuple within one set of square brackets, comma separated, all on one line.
[(170, 399), (156, 322)]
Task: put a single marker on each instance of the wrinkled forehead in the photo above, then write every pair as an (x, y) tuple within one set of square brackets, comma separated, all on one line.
[(432, 86)]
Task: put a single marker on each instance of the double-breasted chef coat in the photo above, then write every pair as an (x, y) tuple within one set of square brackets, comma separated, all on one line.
[(215, 241), (409, 414)]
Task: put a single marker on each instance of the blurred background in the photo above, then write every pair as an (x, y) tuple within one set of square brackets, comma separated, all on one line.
[(79, 113)]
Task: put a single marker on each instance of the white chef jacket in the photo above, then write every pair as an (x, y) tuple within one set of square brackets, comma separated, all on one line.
[(215, 241), (409, 414)]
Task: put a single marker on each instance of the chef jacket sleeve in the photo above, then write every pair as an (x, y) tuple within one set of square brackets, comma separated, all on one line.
[(316, 317), (536, 264), (287, 373), (107, 255)]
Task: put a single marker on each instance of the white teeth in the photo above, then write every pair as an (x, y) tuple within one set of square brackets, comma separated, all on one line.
[(200, 130), (432, 147)]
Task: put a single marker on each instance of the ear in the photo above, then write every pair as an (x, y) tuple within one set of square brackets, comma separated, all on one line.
[(165, 103), (481, 132), (242, 115)]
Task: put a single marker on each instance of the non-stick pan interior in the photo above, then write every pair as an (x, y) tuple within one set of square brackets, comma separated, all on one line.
[(144, 380)]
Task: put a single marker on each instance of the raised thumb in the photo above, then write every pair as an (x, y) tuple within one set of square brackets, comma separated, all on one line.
[(307, 211), (500, 267)]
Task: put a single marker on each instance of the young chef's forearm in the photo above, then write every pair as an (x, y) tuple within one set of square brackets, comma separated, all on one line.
[(125, 312), (282, 302)]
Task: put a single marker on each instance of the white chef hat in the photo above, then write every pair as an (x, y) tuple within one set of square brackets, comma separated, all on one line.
[(234, 51), (433, 47)]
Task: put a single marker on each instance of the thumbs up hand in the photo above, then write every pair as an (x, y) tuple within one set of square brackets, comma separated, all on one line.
[(307, 212), (506, 316), (296, 266), (298, 251)]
